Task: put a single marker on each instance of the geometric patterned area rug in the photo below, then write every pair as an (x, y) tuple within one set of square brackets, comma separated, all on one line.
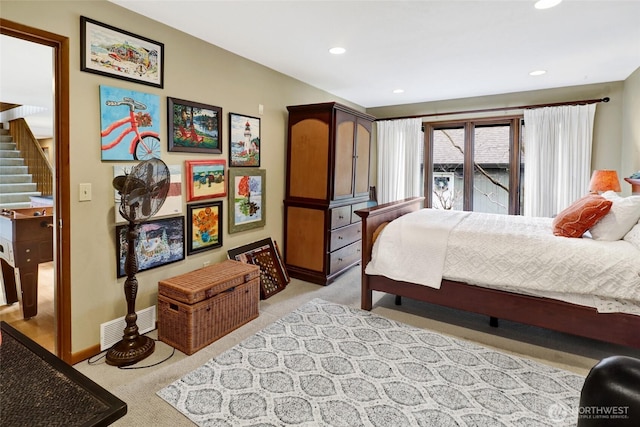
[(326, 364)]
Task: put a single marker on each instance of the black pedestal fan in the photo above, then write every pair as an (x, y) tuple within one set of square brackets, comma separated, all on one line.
[(142, 193)]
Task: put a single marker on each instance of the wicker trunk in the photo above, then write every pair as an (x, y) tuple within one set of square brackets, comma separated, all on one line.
[(198, 307)]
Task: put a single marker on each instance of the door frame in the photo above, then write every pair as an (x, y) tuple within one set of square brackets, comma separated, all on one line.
[(62, 245)]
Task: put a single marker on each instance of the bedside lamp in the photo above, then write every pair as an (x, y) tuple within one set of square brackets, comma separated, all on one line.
[(604, 180)]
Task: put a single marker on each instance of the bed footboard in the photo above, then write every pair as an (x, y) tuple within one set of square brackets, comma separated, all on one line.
[(372, 218)]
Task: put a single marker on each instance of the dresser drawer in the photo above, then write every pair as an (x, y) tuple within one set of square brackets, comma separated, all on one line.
[(345, 257), (340, 216), (357, 206), (344, 236)]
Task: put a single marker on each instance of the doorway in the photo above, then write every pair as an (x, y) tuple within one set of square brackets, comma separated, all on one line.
[(60, 141)]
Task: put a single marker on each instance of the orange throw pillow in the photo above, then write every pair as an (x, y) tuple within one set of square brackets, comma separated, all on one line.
[(583, 214)]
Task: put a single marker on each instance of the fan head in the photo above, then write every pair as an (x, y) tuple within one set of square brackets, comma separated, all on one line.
[(143, 190)]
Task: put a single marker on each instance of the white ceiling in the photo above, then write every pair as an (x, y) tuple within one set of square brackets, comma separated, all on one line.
[(432, 49)]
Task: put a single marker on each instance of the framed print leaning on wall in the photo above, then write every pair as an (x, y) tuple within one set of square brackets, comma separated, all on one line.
[(112, 52), (247, 199), (264, 254)]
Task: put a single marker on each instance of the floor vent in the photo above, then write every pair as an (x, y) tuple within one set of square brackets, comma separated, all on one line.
[(111, 332)]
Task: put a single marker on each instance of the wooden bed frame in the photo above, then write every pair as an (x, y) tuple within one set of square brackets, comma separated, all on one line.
[(616, 328)]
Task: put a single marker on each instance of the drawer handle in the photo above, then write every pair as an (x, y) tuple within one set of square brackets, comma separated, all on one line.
[(340, 217), (339, 237)]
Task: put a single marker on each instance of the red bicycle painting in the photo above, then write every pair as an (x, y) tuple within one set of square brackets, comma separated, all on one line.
[(143, 145)]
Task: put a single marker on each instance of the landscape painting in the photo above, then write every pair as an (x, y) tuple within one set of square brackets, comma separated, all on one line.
[(207, 179), (194, 127)]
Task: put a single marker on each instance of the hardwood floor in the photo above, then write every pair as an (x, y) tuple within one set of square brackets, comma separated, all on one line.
[(40, 328)]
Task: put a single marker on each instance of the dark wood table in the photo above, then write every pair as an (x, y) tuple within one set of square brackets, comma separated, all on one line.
[(39, 389), (26, 241)]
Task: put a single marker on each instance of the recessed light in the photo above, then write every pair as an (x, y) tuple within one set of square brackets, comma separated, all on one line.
[(398, 91), (537, 73), (337, 50), (546, 4)]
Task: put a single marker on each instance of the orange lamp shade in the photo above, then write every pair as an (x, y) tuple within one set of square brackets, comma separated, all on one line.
[(604, 180)]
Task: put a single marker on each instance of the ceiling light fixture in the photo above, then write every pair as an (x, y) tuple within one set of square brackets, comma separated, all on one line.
[(537, 73), (546, 4), (398, 91), (337, 50)]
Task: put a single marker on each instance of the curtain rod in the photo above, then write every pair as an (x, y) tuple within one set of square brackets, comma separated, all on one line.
[(485, 110)]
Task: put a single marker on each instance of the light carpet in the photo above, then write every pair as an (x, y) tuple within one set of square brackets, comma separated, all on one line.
[(329, 364)]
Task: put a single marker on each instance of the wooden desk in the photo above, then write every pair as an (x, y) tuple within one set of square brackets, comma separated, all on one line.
[(39, 389), (26, 240)]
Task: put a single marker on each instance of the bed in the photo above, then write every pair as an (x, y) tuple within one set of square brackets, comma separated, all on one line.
[(615, 327)]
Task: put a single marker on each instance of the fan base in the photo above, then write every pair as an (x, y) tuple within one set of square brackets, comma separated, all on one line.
[(127, 352)]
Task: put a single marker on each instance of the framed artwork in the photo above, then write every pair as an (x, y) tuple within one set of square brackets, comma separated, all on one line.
[(159, 242), (263, 253), (172, 205), (244, 141), (194, 127), (204, 226), (112, 52), (247, 199), (206, 179), (444, 194), (130, 124)]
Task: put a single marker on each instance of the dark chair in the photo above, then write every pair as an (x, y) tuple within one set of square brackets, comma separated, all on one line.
[(611, 394)]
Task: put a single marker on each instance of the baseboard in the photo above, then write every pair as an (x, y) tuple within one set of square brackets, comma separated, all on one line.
[(85, 354), (90, 352)]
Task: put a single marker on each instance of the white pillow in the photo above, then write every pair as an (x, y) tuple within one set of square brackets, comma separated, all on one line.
[(624, 214), (633, 236)]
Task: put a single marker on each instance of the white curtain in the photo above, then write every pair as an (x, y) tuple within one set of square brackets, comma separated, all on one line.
[(399, 146), (557, 157)]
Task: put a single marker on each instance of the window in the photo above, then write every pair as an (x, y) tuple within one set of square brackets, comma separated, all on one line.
[(474, 165)]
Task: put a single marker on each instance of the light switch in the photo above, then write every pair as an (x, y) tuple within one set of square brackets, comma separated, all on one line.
[(85, 192)]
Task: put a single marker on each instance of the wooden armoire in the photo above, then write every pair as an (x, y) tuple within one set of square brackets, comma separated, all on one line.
[(327, 181)]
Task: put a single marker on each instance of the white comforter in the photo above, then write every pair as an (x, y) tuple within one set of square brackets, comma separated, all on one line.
[(507, 252)]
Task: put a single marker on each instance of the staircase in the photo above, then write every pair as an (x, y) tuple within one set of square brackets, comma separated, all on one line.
[(16, 186)]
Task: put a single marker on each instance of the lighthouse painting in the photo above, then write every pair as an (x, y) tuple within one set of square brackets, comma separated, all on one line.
[(244, 141)]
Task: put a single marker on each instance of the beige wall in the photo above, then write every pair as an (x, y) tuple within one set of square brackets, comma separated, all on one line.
[(195, 71), (201, 72), (630, 161), (616, 139)]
